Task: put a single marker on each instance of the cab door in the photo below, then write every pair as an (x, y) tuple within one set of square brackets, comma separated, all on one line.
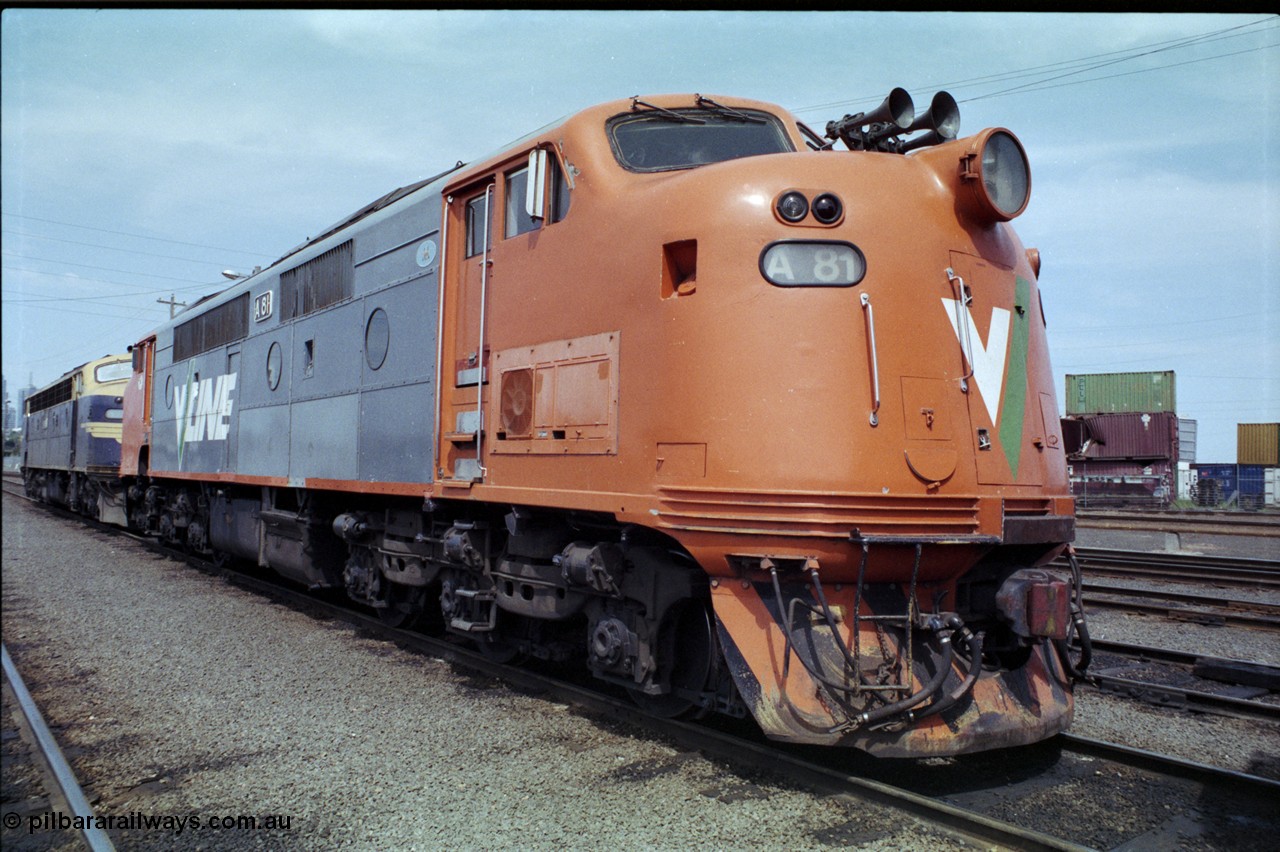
[(136, 435), (469, 215), (492, 224)]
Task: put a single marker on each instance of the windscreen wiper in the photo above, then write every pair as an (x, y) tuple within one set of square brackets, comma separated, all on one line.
[(729, 112), (666, 113)]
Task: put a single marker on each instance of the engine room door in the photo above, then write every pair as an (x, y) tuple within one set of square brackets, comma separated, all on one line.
[(464, 349), (233, 433)]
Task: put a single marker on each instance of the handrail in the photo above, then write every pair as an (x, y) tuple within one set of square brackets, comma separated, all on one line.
[(875, 366), (484, 293), (963, 300)]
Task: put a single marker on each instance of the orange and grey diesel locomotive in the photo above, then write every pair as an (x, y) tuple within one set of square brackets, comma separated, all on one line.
[(674, 387)]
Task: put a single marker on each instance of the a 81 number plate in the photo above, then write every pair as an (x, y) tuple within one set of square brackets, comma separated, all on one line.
[(812, 264)]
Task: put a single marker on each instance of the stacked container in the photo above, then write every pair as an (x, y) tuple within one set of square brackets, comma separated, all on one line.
[(1250, 483), (1249, 486), (1258, 443), (1124, 439), (1121, 393)]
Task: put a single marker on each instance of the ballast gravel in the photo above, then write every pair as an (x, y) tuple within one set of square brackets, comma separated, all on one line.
[(189, 705)]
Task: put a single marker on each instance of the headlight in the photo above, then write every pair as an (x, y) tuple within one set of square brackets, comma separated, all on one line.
[(995, 166)]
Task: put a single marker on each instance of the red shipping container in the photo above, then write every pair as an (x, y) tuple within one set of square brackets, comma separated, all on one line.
[(1123, 436)]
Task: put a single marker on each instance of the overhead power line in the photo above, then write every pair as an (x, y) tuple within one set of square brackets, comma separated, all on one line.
[(1048, 84), (1079, 65), (108, 248), (261, 254), (140, 291), (99, 268), (1136, 327)]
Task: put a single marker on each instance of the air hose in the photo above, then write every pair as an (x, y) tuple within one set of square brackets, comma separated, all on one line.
[(1076, 669)]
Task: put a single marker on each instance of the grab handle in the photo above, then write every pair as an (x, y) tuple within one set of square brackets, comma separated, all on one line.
[(875, 367)]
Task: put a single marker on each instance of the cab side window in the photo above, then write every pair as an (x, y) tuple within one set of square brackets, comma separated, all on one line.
[(515, 212), (559, 192), (477, 228), (518, 221)]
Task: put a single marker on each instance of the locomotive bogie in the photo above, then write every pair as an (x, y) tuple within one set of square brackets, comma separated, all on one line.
[(735, 424)]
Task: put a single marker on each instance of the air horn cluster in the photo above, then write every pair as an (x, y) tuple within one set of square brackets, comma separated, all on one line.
[(881, 128)]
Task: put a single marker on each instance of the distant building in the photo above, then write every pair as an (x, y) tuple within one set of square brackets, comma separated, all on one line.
[(29, 390)]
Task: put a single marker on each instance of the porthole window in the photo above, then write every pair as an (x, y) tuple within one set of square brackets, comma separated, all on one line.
[(274, 358), (377, 338)]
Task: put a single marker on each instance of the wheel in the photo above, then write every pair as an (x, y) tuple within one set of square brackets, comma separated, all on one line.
[(404, 607), (502, 645), (497, 649), (689, 656)]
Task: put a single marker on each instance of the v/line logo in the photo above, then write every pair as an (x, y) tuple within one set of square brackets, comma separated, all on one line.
[(205, 408), (986, 360)]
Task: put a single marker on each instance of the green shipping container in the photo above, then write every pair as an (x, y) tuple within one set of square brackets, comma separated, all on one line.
[(1121, 393), (1258, 443)]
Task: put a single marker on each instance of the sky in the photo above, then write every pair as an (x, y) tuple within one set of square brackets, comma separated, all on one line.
[(143, 152)]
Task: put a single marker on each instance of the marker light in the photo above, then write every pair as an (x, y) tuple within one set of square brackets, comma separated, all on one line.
[(792, 206), (827, 208)]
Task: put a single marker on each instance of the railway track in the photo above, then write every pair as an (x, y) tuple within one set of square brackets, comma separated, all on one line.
[(898, 784), (1225, 571), (1181, 606), (1217, 523), (942, 793), (1183, 680), (61, 784)]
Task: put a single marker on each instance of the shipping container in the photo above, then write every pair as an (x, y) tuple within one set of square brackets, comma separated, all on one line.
[(1186, 440), (1242, 485), (1075, 436), (1185, 478), (1121, 393), (1258, 443), (1123, 436), (1252, 481), (1107, 482), (1271, 488)]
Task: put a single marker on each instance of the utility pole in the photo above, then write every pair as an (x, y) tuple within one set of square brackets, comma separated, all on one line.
[(173, 305)]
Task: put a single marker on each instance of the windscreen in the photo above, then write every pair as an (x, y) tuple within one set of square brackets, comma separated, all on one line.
[(114, 372), (681, 139)]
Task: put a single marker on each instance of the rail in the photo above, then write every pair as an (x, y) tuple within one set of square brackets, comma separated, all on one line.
[(59, 770), (1265, 523), (1202, 608), (1232, 571), (1116, 679)]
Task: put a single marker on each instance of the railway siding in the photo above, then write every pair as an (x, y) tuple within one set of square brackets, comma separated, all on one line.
[(182, 696), (515, 742), (1225, 534)]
